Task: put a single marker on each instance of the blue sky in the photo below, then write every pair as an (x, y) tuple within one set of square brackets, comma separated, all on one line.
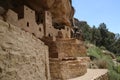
[(99, 11)]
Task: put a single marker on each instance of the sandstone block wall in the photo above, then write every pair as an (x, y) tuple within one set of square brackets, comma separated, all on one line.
[(70, 48), (66, 69), (62, 48), (49, 29), (27, 23), (11, 17), (22, 56), (38, 24)]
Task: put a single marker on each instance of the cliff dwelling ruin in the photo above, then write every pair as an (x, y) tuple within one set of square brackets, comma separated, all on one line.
[(35, 45)]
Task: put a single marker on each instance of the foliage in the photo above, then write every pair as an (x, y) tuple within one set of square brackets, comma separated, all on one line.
[(95, 52), (113, 75), (118, 59), (103, 38), (117, 68), (100, 36), (105, 61), (101, 60), (102, 47)]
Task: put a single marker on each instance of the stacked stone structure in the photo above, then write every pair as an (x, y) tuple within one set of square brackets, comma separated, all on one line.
[(26, 20), (63, 50)]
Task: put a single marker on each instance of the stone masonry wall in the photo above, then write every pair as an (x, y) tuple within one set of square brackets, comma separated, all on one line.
[(22, 56), (27, 23), (24, 17), (66, 69), (63, 48), (70, 48)]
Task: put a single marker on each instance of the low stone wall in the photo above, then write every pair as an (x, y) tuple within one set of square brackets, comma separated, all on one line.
[(22, 56), (66, 69)]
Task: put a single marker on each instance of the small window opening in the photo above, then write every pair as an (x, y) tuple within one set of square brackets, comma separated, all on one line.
[(49, 35), (59, 28), (39, 29), (0, 70), (33, 34), (27, 24)]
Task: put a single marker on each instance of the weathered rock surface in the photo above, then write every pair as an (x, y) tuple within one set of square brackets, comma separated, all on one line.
[(62, 10), (22, 56)]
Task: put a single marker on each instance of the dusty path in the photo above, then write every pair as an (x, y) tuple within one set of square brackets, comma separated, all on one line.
[(91, 74)]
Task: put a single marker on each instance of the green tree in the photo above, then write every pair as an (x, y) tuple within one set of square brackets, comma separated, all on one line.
[(96, 36), (100, 36), (117, 45), (86, 29), (104, 34)]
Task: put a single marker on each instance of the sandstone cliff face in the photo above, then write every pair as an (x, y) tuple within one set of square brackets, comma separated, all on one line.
[(62, 10), (22, 56)]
